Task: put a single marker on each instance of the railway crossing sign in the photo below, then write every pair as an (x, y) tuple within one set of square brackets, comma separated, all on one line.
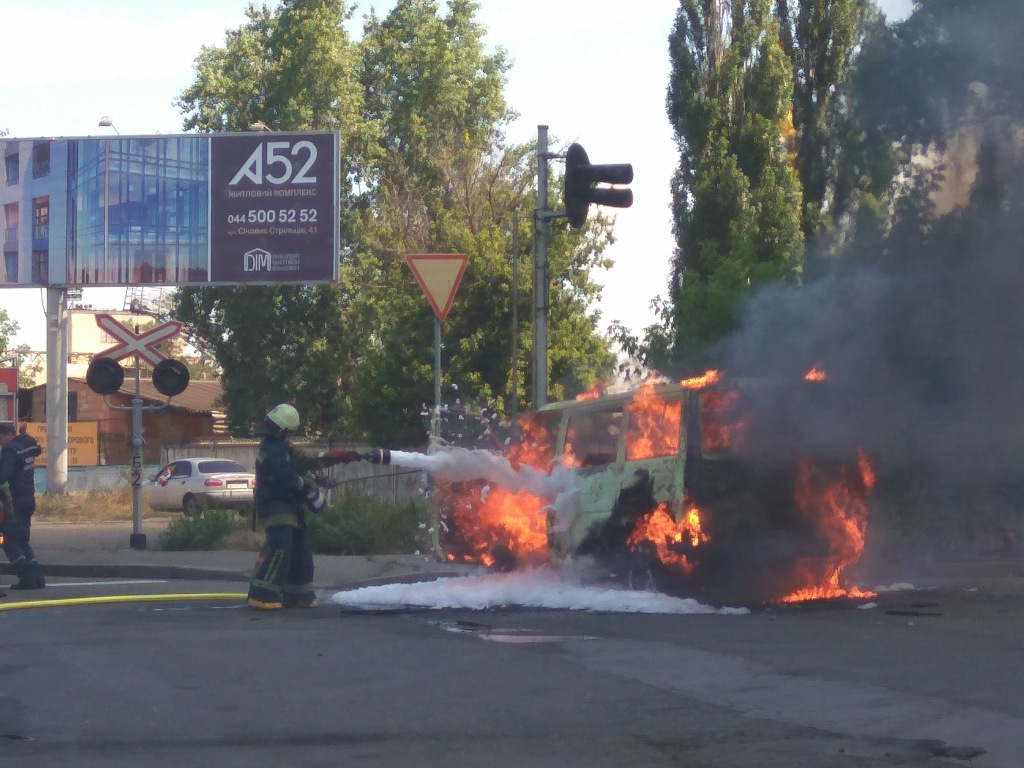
[(131, 343)]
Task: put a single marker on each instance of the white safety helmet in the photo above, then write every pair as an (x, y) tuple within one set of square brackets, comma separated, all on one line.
[(284, 417)]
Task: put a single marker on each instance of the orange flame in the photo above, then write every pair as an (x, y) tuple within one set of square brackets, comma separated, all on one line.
[(836, 505), (653, 425), (699, 382), (815, 374), (591, 394), (665, 533), (494, 517)]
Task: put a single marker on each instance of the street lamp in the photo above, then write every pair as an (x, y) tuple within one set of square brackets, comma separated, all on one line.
[(106, 122)]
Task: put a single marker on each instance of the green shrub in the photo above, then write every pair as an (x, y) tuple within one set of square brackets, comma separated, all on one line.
[(208, 530), (354, 524)]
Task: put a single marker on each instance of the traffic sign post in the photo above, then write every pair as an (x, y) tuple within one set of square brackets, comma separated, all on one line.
[(141, 345), (439, 275)]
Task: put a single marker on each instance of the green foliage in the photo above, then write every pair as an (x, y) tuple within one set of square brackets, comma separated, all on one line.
[(17, 356), (355, 524), (8, 328), (205, 531), (419, 106), (736, 196), (819, 38)]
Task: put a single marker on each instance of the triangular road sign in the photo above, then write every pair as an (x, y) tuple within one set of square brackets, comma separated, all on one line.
[(439, 275)]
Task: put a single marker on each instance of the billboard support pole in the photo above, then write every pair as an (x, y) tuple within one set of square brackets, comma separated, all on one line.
[(56, 390)]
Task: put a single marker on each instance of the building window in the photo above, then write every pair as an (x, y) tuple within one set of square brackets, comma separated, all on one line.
[(40, 159), (41, 218), (11, 167), (40, 266), (11, 227)]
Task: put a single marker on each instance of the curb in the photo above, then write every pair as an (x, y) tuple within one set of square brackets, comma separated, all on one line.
[(168, 572)]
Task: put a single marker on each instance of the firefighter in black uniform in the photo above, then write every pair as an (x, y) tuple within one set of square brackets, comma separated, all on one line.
[(285, 486), (17, 469)]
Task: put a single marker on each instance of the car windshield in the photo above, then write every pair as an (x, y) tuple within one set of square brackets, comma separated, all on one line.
[(220, 466)]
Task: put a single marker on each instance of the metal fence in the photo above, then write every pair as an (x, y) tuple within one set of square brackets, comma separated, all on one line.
[(395, 485)]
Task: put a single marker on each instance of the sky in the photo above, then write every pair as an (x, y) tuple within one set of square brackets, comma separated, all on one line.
[(593, 71)]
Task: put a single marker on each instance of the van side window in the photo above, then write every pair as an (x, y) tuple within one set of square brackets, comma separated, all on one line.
[(592, 438), (534, 442), (653, 427), (723, 423)]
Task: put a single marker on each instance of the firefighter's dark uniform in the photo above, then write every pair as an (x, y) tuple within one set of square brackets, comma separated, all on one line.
[(17, 470), (284, 569)]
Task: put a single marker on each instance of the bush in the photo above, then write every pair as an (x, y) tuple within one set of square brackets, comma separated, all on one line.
[(354, 524), (208, 530)]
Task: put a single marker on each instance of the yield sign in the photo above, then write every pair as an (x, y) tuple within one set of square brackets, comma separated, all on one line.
[(131, 344), (438, 275)]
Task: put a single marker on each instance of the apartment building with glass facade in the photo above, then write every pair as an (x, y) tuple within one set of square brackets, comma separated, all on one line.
[(33, 194), (118, 211)]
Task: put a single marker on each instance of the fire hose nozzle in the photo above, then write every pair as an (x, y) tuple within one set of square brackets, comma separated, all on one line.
[(378, 456)]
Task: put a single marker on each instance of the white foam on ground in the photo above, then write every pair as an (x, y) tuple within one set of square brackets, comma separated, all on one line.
[(533, 588)]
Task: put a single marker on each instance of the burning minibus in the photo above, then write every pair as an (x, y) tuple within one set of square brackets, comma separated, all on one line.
[(694, 488)]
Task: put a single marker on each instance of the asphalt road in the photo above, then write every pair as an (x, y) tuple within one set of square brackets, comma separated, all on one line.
[(924, 678)]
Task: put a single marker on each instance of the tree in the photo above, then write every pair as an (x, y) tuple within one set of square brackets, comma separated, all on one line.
[(16, 356), (736, 196), (425, 169), (819, 38)]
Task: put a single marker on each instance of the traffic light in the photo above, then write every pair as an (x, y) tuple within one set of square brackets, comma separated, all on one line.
[(170, 377), (581, 178), (105, 376)]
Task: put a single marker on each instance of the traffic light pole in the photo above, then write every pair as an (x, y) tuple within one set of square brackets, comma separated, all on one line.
[(582, 189), (540, 274)]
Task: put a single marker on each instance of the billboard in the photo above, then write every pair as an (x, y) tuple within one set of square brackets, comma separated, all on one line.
[(196, 209), (9, 395), (83, 442)]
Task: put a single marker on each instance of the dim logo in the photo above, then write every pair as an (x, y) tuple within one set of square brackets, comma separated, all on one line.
[(256, 260), (271, 162)]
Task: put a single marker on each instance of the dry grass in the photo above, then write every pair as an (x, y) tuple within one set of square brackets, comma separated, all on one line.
[(88, 506)]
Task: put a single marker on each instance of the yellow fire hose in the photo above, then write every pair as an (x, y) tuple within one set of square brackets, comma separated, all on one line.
[(120, 599)]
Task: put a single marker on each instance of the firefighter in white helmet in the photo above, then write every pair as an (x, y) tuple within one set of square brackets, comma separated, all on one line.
[(283, 575)]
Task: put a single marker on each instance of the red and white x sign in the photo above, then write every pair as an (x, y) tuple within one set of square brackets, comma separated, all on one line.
[(132, 344)]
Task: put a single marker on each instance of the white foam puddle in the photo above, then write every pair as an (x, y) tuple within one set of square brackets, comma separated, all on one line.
[(524, 639), (534, 588)]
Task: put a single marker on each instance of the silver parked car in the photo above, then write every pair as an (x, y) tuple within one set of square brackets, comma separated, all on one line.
[(191, 485)]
